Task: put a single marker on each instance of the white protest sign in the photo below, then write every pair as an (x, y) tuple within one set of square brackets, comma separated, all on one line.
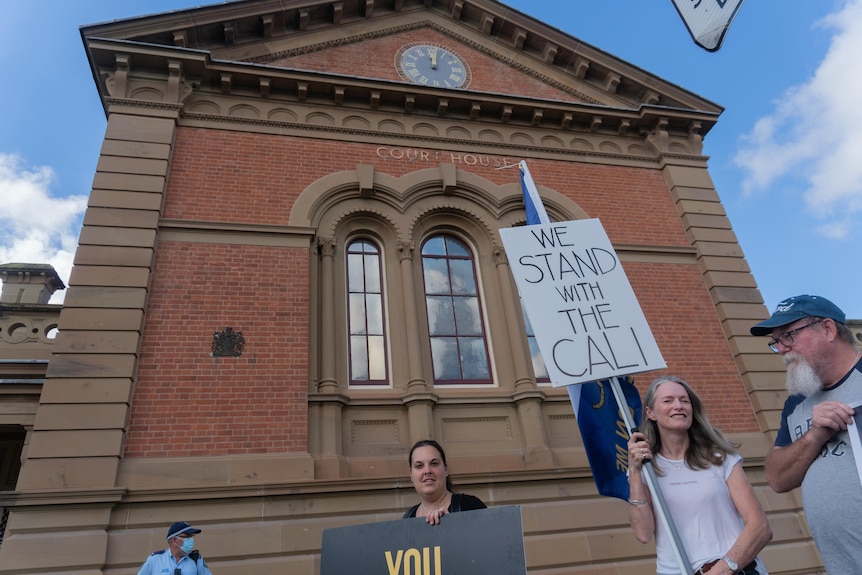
[(707, 20), (584, 313)]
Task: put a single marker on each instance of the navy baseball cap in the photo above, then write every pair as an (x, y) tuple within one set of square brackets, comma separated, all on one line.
[(795, 308), (181, 527)]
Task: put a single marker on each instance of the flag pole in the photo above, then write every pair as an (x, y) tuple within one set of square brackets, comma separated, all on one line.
[(536, 214), (533, 205), (659, 504)]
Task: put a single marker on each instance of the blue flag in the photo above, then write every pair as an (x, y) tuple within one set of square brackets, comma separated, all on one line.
[(602, 428), (604, 431), (536, 213)]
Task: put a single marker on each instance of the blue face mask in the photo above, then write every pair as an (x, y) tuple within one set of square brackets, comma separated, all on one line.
[(188, 545)]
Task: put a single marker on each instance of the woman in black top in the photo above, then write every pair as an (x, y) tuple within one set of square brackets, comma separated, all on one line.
[(430, 477)]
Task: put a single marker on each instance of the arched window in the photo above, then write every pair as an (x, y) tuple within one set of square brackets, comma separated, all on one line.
[(368, 361), (458, 349)]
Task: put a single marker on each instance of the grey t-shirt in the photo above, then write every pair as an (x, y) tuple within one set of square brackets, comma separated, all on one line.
[(831, 490)]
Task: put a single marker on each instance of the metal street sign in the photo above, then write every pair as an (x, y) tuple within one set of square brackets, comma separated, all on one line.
[(707, 20)]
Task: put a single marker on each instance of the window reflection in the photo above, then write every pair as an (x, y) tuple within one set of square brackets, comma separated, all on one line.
[(368, 364), (458, 349)]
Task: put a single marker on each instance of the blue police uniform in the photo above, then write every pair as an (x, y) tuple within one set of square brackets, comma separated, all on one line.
[(163, 563)]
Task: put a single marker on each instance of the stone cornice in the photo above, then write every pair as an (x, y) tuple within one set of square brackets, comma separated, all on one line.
[(55, 497), (270, 99), (242, 31), (752, 445), (341, 486), (202, 73), (229, 232)]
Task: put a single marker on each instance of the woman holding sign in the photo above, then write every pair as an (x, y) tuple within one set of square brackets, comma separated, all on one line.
[(721, 525), (430, 477)]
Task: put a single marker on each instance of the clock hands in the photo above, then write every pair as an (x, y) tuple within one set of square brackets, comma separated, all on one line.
[(432, 51), (430, 65)]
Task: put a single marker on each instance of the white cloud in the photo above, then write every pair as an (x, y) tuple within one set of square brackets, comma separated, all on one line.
[(34, 226), (813, 132), (836, 229)]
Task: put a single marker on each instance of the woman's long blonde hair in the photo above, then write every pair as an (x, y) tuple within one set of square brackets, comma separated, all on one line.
[(706, 445)]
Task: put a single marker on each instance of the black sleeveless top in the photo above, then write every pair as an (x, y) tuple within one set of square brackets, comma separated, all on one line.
[(459, 502)]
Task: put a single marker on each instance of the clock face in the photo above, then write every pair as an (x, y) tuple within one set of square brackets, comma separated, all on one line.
[(430, 65)]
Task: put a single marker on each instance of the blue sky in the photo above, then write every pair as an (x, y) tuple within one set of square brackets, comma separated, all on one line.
[(785, 156)]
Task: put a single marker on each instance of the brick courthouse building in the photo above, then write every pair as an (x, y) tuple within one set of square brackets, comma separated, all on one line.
[(252, 335)]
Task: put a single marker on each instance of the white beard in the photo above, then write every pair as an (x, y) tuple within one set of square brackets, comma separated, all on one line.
[(800, 376)]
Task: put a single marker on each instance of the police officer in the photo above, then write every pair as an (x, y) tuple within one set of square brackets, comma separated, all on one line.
[(180, 558)]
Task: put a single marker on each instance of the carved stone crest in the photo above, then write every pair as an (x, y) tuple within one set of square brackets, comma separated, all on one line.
[(227, 343)]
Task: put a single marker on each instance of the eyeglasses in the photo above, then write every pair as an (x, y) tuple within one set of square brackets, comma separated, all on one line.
[(786, 338)]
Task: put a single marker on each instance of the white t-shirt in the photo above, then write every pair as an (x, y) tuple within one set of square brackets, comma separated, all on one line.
[(699, 503)]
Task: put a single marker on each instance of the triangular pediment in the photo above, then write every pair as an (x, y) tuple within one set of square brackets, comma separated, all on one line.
[(382, 57), (352, 49)]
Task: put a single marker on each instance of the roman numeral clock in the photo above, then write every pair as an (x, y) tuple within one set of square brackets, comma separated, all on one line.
[(430, 65)]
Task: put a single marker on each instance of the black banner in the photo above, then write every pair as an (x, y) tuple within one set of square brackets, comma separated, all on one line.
[(485, 541)]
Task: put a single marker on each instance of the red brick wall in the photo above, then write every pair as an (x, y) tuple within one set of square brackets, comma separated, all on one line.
[(376, 59), (227, 176), (686, 327), (255, 178), (187, 403), (634, 205), (260, 398)]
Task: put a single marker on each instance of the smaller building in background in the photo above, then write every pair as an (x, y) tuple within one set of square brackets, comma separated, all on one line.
[(28, 324)]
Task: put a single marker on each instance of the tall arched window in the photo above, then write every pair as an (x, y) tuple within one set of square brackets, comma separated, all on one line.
[(368, 362), (458, 349)]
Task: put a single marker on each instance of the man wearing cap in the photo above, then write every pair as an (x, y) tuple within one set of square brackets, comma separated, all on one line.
[(812, 449), (179, 558)]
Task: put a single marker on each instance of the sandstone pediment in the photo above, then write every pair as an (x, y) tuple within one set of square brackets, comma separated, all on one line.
[(516, 70)]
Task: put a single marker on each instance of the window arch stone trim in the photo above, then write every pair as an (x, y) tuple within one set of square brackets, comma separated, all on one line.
[(317, 205)]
